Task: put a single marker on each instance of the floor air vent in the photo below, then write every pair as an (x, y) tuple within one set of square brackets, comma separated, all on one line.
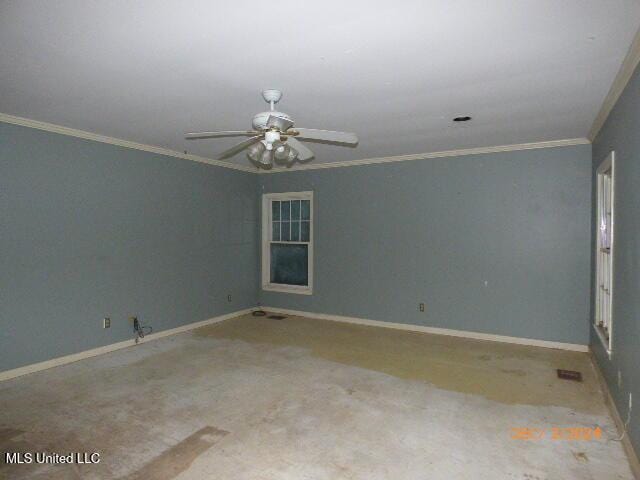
[(569, 375), (276, 317)]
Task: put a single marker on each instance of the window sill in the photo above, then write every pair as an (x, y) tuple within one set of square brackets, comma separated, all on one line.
[(603, 339), (275, 287)]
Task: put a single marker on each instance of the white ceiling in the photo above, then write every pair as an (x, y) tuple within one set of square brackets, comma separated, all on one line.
[(395, 73)]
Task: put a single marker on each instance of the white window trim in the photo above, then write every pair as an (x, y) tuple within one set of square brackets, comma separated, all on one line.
[(606, 165), (266, 231)]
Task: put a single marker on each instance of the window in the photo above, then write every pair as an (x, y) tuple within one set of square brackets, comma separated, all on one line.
[(604, 250), (287, 242)]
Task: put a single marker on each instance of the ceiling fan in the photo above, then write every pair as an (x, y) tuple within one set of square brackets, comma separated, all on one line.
[(273, 137)]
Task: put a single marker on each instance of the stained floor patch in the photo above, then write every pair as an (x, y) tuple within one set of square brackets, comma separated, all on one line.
[(179, 457), (22, 442), (581, 456), (7, 434), (507, 373), (292, 413)]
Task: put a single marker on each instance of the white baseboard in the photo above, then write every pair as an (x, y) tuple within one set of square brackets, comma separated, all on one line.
[(74, 357), (54, 362), (435, 330), (632, 456)]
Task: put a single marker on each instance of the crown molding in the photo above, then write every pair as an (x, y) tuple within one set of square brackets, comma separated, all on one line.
[(50, 127), (72, 132), (425, 156), (627, 68)]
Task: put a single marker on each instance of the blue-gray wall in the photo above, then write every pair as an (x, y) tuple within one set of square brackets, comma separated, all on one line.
[(621, 132), (496, 243), (89, 230)]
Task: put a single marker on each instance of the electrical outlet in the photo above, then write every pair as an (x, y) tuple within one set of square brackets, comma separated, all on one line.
[(619, 379), (229, 298), (421, 307), (106, 322)]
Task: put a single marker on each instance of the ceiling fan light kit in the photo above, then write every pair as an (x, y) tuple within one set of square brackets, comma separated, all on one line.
[(274, 137)]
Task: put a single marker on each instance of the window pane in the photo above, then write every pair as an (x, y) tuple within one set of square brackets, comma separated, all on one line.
[(304, 231), (295, 210), (275, 231), (289, 264), (306, 210), (285, 211), (295, 231), (275, 210), (285, 236)]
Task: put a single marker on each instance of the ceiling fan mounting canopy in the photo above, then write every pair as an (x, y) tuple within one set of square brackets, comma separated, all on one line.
[(274, 138), (271, 95)]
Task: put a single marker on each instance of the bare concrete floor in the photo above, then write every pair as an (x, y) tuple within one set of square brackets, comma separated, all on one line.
[(255, 398)]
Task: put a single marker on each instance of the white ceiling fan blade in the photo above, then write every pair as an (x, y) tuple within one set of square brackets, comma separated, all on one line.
[(281, 123), (303, 152), (233, 133), (327, 136), (240, 146)]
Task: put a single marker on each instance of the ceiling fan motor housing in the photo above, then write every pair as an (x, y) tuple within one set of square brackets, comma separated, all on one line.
[(260, 119)]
